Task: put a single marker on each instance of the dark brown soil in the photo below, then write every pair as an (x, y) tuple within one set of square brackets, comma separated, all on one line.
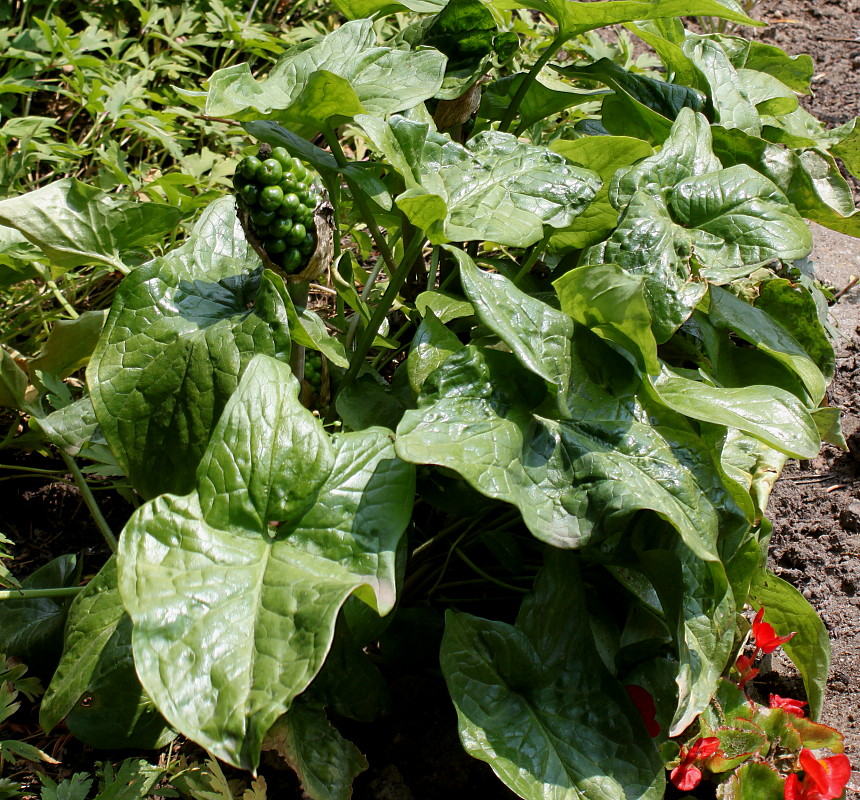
[(828, 31), (815, 506)]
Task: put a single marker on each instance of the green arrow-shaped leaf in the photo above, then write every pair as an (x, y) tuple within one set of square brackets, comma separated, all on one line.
[(234, 589), (180, 331), (536, 702), (343, 74)]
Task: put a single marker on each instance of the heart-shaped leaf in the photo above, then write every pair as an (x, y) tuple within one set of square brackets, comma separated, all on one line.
[(180, 332), (536, 702), (234, 589)]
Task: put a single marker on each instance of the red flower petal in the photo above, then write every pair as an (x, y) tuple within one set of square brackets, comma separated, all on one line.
[(824, 778), (765, 636), (705, 748), (788, 704), (685, 777), (792, 789), (645, 706)]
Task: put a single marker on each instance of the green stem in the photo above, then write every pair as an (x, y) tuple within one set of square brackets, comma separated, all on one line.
[(395, 284), (299, 295), (84, 488), (361, 201), (532, 258), (434, 269), (486, 575), (35, 594), (529, 79)]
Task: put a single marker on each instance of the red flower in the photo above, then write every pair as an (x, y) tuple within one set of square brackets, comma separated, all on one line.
[(765, 636), (824, 779), (788, 704), (746, 669), (687, 776), (645, 706)]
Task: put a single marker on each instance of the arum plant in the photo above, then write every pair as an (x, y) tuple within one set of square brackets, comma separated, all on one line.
[(548, 399)]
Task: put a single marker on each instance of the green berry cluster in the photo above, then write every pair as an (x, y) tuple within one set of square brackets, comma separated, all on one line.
[(313, 371), (279, 195)]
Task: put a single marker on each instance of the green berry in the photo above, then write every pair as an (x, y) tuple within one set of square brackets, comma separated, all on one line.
[(262, 218), (306, 247), (271, 172), (296, 235), (299, 171), (291, 202), (271, 197), (280, 227), (276, 246), (250, 194), (291, 260), (249, 167), (281, 155), (305, 216), (289, 186)]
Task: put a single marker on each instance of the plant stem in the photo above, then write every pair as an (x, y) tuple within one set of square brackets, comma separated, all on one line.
[(299, 295), (35, 594), (395, 284), (361, 201), (84, 488), (486, 575), (529, 79), (533, 256)]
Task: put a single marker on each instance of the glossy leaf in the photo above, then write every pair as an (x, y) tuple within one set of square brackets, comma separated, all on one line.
[(648, 243), (496, 188), (537, 334), (431, 347), (573, 480), (733, 107), (763, 331), (766, 412), (788, 610), (794, 71), (325, 762), (738, 220), (665, 98), (526, 697), (180, 332), (574, 17), (31, 629), (95, 688), (680, 208), (542, 99), (809, 178), (234, 589), (604, 155), (76, 224), (612, 303), (344, 74)]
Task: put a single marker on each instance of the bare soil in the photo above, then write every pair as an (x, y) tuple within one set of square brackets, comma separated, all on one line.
[(815, 507)]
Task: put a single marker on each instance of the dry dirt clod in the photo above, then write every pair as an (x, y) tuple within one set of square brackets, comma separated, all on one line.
[(849, 517)]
